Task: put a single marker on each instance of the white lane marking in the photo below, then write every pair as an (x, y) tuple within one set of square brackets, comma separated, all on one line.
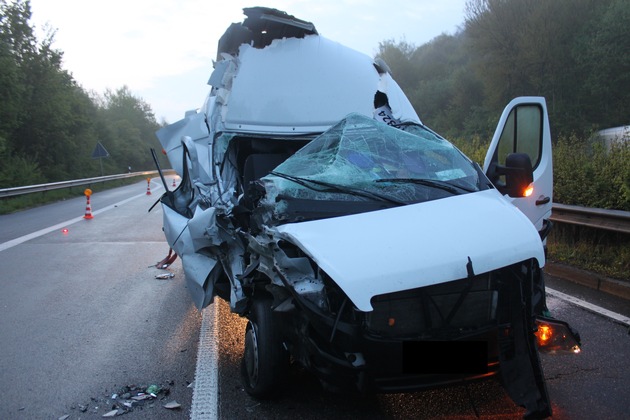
[(22, 239), (590, 307), (205, 400)]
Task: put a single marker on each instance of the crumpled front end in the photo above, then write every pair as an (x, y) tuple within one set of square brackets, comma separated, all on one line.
[(469, 328)]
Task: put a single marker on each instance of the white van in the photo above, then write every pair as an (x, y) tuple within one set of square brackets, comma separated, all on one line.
[(358, 242)]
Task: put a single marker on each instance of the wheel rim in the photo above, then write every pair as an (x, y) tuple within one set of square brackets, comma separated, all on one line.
[(251, 354)]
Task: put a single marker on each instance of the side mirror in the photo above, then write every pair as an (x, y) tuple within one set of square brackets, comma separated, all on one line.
[(518, 174)]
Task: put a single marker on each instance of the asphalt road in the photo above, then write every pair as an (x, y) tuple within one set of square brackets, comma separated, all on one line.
[(591, 385), (82, 317)]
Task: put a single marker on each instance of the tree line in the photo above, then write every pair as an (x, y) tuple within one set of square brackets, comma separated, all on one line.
[(573, 52), (50, 125)]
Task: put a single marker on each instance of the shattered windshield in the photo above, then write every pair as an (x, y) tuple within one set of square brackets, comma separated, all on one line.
[(362, 159)]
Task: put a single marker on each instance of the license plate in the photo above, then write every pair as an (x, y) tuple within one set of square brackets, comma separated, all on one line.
[(445, 357)]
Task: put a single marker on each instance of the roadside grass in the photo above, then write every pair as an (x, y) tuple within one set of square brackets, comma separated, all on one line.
[(26, 201), (602, 252)]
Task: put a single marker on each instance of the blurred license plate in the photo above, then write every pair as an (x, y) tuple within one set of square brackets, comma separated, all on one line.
[(445, 357)]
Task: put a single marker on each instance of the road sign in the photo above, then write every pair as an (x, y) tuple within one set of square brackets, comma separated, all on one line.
[(99, 151)]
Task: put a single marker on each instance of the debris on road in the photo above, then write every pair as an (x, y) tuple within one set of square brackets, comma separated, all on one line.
[(168, 260), (165, 276), (172, 405), (128, 399), (153, 390)]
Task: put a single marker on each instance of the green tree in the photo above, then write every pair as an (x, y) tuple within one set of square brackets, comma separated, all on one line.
[(49, 125), (54, 125), (16, 42), (131, 127), (437, 80), (398, 56), (603, 55), (528, 47)]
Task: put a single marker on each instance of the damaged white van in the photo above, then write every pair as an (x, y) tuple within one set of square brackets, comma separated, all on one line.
[(358, 242)]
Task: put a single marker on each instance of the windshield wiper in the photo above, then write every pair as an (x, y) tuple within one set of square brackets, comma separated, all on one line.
[(337, 188), (443, 185)]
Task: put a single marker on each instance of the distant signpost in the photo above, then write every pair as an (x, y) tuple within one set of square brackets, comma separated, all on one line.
[(99, 153)]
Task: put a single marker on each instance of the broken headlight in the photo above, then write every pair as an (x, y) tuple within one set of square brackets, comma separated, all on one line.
[(555, 336)]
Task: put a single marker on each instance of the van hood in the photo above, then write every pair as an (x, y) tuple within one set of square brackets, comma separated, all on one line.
[(418, 245)]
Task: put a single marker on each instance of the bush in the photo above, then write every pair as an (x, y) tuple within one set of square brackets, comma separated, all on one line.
[(587, 173), (17, 170), (475, 148)]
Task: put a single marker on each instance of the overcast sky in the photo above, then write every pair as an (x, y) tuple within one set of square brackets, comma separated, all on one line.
[(163, 49)]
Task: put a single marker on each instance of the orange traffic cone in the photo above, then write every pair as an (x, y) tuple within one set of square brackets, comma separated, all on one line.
[(88, 207), (148, 186)]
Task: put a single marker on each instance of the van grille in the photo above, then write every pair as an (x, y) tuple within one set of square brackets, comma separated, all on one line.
[(442, 311)]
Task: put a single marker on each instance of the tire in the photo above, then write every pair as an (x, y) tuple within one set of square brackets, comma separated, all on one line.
[(264, 364)]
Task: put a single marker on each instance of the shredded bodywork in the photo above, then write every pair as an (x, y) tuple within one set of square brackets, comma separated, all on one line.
[(316, 202)]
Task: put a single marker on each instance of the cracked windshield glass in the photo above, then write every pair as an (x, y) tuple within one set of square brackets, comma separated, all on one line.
[(362, 159)]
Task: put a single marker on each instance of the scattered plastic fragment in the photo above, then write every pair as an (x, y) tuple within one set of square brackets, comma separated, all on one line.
[(111, 413), (64, 417), (165, 276), (114, 396), (191, 385), (153, 389), (172, 405)]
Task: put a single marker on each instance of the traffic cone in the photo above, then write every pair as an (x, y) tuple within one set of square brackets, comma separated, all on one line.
[(148, 186), (88, 209)]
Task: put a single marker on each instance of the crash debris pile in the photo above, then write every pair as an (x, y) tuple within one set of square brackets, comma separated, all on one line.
[(127, 399)]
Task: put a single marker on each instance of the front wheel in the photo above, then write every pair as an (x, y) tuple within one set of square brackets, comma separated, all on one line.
[(265, 362)]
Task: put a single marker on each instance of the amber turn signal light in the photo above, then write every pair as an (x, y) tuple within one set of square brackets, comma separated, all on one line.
[(556, 336)]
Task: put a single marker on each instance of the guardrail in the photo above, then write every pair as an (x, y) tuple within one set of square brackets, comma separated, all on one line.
[(611, 220), (11, 192)]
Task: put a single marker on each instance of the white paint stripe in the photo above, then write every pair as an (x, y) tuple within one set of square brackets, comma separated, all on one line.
[(590, 307), (205, 400), (22, 239)]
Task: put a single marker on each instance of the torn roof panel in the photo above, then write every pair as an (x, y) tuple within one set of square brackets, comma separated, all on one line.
[(304, 85), (261, 27)]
